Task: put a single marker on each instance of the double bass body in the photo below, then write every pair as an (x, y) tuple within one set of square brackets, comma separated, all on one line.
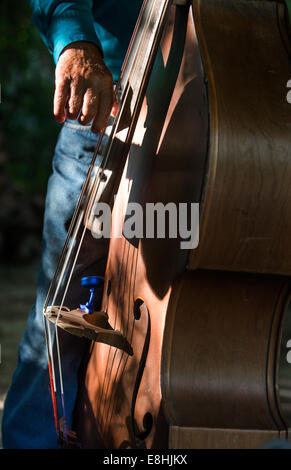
[(207, 327)]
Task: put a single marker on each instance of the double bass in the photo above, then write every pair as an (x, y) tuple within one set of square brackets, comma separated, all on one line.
[(197, 351)]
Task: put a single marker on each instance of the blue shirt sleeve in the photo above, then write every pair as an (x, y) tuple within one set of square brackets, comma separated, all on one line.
[(61, 23)]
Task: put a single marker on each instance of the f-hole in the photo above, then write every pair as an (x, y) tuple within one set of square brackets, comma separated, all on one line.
[(140, 309)]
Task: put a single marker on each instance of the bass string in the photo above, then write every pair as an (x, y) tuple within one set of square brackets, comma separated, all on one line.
[(111, 367), (72, 231), (57, 337), (113, 395), (50, 350), (57, 321), (103, 165), (80, 211), (108, 367), (108, 358), (51, 374), (84, 188), (126, 61), (76, 222), (133, 295), (47, 329), (67, 245), (56, 328), (75, 227), (124, 331)]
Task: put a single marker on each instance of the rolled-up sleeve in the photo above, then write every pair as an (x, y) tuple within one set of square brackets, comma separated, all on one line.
[(60, 23)]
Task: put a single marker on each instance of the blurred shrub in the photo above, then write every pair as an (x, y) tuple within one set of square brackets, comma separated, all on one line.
[(28, 130), (27, 79)]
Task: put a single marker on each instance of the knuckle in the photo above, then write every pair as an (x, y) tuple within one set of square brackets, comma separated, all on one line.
[(76, 81), (92, 101), (90, 105), (61, 81), (74, 102)]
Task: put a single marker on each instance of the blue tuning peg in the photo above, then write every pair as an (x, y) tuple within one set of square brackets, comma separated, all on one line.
[(92, 282)]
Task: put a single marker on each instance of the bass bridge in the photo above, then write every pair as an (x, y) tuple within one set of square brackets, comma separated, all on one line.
[(88, 323)]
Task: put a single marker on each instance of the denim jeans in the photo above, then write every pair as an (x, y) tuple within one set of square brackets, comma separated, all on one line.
[(28, 414)]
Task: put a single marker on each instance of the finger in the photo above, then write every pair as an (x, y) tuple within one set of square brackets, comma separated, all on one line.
[(90, 106), (61, 95), (75, 101), (104, 110)]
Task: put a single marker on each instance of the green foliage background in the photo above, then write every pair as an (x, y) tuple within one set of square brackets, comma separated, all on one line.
[(28, 130)]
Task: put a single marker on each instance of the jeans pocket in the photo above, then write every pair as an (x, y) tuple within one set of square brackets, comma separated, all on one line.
[(76, 142)]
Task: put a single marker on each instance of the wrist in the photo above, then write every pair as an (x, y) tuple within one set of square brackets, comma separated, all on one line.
[(84, 46)]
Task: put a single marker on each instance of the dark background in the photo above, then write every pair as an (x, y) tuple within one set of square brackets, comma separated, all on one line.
[(28, 131)]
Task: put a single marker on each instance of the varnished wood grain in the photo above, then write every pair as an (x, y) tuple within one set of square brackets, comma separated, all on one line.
[(218, 365), (165, 164), (246, 207), (211, 371), (195, 438)]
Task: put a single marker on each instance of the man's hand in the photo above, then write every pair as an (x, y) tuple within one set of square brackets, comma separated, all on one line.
[(83, 84)]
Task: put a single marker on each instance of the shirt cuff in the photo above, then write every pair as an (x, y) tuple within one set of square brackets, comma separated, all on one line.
[(71, 27)]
